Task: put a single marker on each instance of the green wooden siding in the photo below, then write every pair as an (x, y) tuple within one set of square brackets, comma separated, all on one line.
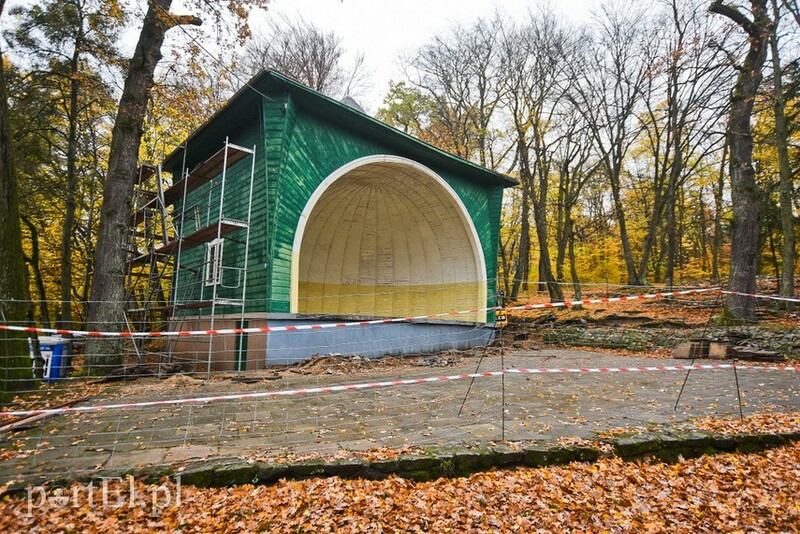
[(279, 120)]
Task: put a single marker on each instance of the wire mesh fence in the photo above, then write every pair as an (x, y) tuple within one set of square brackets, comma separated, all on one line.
[(329, 424), (331, 421), (143, 348)]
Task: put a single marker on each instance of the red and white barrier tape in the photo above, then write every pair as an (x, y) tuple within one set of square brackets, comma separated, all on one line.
[(294, 328), (768, 297), (645, 296), (394, 383)]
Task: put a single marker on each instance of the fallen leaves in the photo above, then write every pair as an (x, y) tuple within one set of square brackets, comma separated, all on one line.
[(575, 441), (691, 309), (656, 353), (373, 454), (50, 395), (724, 493), (763, 423)]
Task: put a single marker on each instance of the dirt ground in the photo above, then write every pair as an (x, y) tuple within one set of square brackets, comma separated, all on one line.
[(542, 408)]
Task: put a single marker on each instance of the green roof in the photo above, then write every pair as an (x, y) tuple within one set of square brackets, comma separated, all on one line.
[(239, 108)]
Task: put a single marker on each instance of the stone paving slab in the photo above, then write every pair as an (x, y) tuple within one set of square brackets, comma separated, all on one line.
[(539, 408)]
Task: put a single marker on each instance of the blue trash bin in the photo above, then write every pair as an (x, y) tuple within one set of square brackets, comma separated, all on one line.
[(55, 352)]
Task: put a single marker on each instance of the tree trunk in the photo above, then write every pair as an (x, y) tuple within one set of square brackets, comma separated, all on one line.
[(562, 243), (521, 273), (106, 310), (562, 214), (671, 231), (786, 186), (35, 263), (719, 190), (88, 236), (545, 267), (65, 318), (538, 203), (619, 211), (573, 267), (15, 364), (659, 203), (773, 255), (506, 267), (672, 224), (703, 236), (745, 193), (561, 256)]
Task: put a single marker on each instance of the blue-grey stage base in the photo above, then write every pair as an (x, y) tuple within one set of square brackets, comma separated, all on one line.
[(372, 341)]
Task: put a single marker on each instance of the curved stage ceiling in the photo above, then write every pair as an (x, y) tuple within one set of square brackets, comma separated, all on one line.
[(389, 239)]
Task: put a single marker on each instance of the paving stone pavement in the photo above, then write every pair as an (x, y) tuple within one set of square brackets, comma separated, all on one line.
[(536, 407)]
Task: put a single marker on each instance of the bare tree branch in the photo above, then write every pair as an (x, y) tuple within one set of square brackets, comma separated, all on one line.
[(302, 51), (727, 10)]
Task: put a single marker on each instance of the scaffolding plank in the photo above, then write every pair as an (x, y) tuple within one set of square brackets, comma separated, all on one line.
[(202, 236), (147, 196), (141, 235), (228, 302), (138, 216), (192, 305), (146, 171), (205, 171), (198, 304), (142, 259)]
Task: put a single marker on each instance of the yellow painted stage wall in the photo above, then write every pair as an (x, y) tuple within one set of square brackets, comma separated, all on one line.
[(392, 301)]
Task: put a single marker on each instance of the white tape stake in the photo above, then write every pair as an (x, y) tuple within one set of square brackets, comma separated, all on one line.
[(395, 383), (296, 328)]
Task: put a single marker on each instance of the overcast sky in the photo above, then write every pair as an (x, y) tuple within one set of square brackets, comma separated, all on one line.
[(383, 29)]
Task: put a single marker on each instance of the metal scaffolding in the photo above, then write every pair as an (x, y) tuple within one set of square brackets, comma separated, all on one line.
[(168, 283)]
